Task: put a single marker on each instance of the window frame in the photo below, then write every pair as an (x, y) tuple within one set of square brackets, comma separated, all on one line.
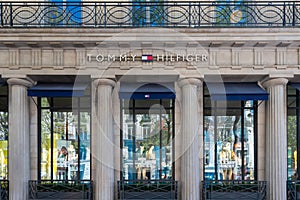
[(52, 108), (212, 106), (5, 88), (132, 106), (296, 108)]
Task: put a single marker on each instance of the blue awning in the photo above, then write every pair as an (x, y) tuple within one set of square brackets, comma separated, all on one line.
[(236, 91), (295, 85), (147, 91), (57, 90)]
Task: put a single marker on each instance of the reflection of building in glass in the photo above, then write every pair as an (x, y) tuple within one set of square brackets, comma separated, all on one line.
[(229, 141), (147, 150), (60, 135)]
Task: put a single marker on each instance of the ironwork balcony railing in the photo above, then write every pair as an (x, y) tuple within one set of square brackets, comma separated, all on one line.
[(47, 189), (256, 190), (293, 190), (147, 189), (155, 13), (4, 190)]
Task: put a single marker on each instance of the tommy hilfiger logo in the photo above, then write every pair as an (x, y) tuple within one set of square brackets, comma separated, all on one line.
[(148, 58)]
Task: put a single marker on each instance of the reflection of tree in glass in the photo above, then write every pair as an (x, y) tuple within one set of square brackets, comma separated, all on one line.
[(154, 137), (292, 131), (230, 126), (292, 140), (3, 125)]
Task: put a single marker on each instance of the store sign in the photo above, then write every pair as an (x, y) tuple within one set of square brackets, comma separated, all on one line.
[(148, 58)]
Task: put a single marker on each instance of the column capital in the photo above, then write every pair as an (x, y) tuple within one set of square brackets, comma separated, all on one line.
[(274, 82), (189, 81), (20, 81), (104, 81)]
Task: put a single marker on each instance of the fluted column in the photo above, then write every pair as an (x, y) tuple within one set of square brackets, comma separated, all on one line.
[(102, 139), (276, 138), (190, 165), (19, 151)]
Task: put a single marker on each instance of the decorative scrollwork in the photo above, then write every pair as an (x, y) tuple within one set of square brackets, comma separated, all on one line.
[(153, 13)]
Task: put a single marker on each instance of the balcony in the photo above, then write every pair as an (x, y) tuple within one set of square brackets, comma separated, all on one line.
[(147, 189), (48, 189), (155, 13), (232, 190)]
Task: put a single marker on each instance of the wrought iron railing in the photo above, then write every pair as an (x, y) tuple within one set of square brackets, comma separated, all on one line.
[(147, 189), (293, 190), (47, 189), (155, 13), (256, 190), (4, 190)]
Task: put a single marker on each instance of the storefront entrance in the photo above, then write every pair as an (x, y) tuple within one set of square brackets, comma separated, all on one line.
[(147, 135)]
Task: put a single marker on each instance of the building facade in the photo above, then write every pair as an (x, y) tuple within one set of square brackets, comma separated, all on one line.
[(180, 100)]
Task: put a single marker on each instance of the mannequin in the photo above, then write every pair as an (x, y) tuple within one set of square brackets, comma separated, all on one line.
[(150, 154), (226, 161)]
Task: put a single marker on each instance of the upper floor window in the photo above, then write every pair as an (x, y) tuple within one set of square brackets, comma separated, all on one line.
[(65, 12), (231, 12), (145, 14)]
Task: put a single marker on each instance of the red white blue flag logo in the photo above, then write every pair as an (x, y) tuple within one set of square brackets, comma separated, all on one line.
[(147, 58)]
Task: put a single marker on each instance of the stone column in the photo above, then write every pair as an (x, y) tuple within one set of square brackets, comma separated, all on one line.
[(190, 146), (276, 138), (19, 151), (102, 139)]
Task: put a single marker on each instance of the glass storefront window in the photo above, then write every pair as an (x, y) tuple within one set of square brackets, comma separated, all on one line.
[(293, 113), (147, 139), (229, 140), (3, 132), (64, 139)]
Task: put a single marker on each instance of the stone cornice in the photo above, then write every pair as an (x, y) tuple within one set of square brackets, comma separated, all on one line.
[(225, 36)]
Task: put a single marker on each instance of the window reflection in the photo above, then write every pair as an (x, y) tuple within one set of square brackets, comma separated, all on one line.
[(293, 114), (3, 132), (147, 141), (229, 142), (64, 141)]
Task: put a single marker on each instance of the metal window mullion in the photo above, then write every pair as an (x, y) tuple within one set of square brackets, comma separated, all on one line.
[(133, 137), (51, 136), (67, 139), (67, 127), (243, 137), (255, 138), (78, 139), (90, 131), (173, 139), (215, 139), (121, 139), (298, 129), (39, 138), (160, 140)]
